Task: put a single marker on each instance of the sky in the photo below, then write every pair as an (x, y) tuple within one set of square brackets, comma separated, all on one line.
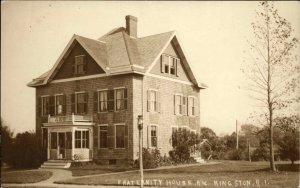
[(213, 36)]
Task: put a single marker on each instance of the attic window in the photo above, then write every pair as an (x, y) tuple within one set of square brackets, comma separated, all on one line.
[(80, 65), (169, 64)]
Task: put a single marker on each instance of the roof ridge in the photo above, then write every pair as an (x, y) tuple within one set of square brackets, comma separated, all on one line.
[(90, 39), (173, 31)]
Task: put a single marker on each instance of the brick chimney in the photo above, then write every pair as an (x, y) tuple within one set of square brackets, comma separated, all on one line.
[(131, 25)]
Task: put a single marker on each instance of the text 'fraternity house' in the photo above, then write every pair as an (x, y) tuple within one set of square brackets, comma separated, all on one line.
[(88, 103)]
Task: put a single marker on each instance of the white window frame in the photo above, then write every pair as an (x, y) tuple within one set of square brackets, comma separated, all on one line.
[(79, 92), (180, 105), (98, 100), (156, 102), (194, 98), (170, 58), (55, 95), (115, 98), (102, 125), (150, 136)]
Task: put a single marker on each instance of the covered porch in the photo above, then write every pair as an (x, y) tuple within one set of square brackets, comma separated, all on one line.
[(68, 138)]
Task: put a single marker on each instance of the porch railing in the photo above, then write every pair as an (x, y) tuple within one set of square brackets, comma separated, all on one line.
[(70, 118)]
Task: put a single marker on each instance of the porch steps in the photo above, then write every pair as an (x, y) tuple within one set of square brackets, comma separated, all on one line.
[(50, 164)]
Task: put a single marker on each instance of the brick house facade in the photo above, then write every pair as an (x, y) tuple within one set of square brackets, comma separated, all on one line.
[(88, 103)]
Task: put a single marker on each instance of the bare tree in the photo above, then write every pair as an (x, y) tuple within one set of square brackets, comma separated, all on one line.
[(273, 73)]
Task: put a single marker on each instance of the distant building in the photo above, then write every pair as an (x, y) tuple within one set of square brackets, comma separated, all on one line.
[(87, 105)]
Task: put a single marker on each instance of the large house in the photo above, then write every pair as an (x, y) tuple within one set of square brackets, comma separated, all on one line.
[(89, 102)]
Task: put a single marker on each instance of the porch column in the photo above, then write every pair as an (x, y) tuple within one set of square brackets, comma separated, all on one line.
[(73, 142), (49, 144)]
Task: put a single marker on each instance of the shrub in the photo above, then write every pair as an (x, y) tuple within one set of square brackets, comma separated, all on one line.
[(182, 141), (235, 154), (151, 159)]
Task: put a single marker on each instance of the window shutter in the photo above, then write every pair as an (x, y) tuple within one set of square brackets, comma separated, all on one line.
[(96, 101), (162, 63), (189, 106), (175, 105), (176, 66), (111, 136), (148, 100), (39, 106), (126, 136), (73, 103), (111, 100), (74, 66), (125, 98), (52, 105), (158, 102), (86, 98)]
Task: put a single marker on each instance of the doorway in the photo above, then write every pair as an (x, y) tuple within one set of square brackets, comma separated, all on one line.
[(61, 145)]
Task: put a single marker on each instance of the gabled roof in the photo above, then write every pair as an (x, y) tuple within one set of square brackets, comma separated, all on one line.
[(117, 53)]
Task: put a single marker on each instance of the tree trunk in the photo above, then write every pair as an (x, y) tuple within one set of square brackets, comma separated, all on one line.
[(272, 163)]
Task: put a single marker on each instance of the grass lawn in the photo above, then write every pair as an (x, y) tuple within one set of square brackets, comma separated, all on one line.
[(92, 169), (225, 174), (28, 176)]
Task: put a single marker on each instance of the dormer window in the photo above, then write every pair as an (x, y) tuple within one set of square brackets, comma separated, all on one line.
[(80, 65), (169, 64)]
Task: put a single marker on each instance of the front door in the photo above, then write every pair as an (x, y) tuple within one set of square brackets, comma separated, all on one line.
[(61, 145)]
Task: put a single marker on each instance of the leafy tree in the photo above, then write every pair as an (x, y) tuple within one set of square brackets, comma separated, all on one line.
[(6, 142), (290, 143), (273, 75), (26, 151)]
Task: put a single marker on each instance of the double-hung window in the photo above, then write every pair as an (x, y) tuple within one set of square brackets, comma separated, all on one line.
[(81, 139), (79, 102), (153, 136), (121, 99), (169, 64), (180, 104), (48, 105), (80, 65), (191, 106), (103, 136), (100, 101), (59, 104), (45, 106), (121, 136), (153, 101)]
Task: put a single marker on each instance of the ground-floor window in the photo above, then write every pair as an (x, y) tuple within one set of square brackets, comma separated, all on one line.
[(121, 136), (153, 136), (81, 139), (103, 137)]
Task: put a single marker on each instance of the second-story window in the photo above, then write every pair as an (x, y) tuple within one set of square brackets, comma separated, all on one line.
[(79, 103), (153, 101), (48, 105), (180, 105), (191, 106), (121, 99), (100, 101), (60, 104), (169, 64), (80, 65)]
